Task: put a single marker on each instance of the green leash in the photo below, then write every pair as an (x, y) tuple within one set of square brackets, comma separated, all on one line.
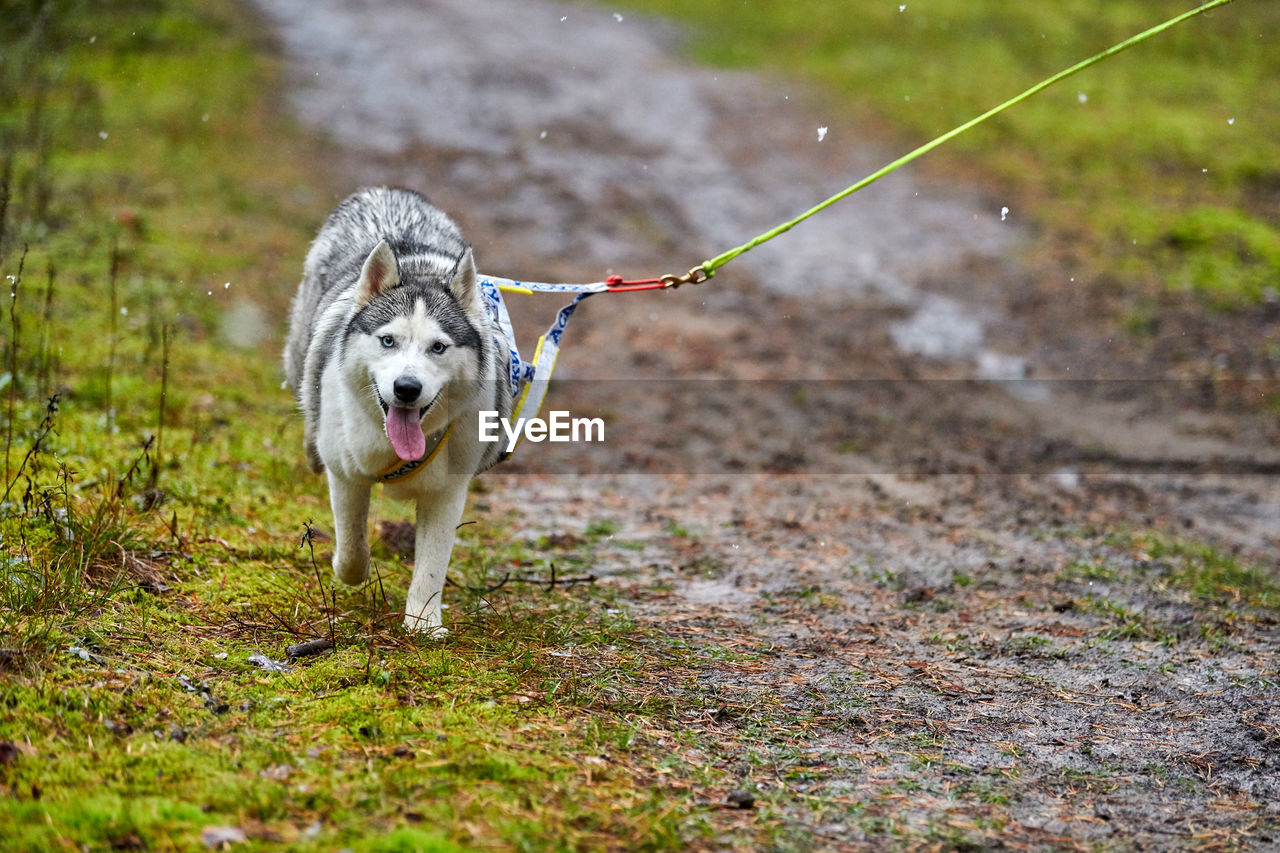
[(707, 268)]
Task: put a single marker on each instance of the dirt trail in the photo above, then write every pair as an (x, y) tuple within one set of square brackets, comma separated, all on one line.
[(948, 617)]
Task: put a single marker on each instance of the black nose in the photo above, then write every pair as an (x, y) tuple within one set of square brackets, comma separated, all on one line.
[(407, 389)]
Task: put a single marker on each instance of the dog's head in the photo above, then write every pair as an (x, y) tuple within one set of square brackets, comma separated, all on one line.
[(415, 339)]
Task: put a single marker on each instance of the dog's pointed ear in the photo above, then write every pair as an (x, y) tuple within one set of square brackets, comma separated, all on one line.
[(464, 287), (379, 274)]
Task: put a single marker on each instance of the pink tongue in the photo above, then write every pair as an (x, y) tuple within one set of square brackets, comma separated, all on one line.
[(405, 432)]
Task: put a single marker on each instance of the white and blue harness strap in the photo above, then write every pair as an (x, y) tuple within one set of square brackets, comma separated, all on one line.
[(531, 379)]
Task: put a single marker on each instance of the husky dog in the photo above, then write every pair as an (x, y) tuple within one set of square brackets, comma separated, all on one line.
[(390, 348)]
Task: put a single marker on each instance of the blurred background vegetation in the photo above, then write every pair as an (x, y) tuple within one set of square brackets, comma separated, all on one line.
[(145, 186)]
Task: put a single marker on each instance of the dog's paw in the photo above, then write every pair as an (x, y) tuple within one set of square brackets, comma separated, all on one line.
[(351, 571)]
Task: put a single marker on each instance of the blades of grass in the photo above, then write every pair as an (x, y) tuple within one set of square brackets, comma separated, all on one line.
[(15, 284)]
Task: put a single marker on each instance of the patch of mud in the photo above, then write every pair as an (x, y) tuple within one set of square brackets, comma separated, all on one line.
[(947, 658), (939, 328)]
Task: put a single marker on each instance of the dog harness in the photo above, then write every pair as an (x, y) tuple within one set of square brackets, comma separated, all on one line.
[(530, 380)]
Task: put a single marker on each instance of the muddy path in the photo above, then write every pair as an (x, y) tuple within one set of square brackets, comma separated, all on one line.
[(853, 457)]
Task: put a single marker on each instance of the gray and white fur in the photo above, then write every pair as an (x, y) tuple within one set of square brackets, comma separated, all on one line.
[(389, 343)]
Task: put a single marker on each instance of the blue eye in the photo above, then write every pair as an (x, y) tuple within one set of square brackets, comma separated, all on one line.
[(387, 341), (439, 347)]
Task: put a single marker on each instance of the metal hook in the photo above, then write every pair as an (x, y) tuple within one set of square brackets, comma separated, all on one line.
[(697, 275)]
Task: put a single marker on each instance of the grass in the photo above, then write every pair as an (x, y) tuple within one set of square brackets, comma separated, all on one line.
[(1156, 168), (1208, 575), (1206, 591)]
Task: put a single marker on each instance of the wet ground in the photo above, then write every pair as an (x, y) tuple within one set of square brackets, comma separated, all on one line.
[(934, 505)]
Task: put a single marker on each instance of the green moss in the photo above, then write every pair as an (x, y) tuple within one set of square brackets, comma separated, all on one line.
[(1230, 256), (410, 841)]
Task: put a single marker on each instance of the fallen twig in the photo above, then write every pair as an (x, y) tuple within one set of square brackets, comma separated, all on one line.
[(310, 647), (549, 583)]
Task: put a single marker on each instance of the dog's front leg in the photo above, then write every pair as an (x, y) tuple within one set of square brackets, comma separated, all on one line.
[(350, 502), (438, 517)]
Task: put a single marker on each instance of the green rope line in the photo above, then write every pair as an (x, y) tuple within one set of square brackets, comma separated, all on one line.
[(710, 266)]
